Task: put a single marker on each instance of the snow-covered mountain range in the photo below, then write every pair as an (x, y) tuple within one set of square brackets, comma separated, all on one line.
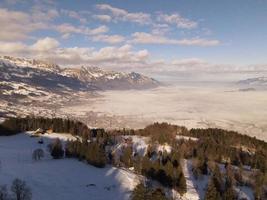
[(258, 81), (254, 83), (30, 77)]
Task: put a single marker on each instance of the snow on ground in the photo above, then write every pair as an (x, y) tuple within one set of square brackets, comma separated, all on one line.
[(181, 137), (140, 144), (244, 193), (66, 179), (23, 89), (165, 147), (195, 188), (61, 136)]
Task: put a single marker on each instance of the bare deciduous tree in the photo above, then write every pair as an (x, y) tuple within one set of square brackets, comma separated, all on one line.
[(3, 192), (20, 190), (37, 154)]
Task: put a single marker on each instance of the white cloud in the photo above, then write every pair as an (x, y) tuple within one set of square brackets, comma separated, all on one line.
[(160, 29), (147, 38), (96, 34), (40, 13), (120, 58), (189, 62), (66, 36), (198, 42), (111, 39), (177, 20), (98, 30), (45, 44), (10, 48), (74, 15), (103, 18), (69, 29), (118, 14), (48, 49), (16, 25)]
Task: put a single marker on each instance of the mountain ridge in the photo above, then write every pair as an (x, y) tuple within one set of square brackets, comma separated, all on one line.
[(41, 73)]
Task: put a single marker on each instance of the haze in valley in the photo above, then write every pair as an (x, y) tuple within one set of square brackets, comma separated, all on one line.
[(211, 100)]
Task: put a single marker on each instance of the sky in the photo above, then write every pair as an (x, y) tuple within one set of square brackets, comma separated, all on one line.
[(139, 35)]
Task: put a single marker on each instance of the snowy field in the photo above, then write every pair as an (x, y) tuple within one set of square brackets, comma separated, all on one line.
[(192, 106), (66, 179), (70, 179)]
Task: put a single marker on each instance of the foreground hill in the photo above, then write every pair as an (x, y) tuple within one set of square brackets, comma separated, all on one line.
[(66, 179), (163, 160)]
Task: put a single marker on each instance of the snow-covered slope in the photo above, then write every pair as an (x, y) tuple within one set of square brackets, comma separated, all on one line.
[(104, 79), (70, 179), (32, 63), (66, 179), (52, 76), (34, 78), (40, 84)]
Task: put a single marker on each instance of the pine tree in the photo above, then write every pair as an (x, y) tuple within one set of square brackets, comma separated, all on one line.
[(217, 178), (158, 194), (138, 164), (95, 155), (258, 189), (56, 150), (229, 193), (181, 183), (212, 193), (139, 193), (145, 164), (126, 157)]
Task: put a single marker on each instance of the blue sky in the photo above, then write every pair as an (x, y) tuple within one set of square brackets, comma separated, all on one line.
[(148, 34)]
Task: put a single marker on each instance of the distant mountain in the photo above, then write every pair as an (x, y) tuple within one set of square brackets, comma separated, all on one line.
[(109, 80), (258, 82), (30, 77)]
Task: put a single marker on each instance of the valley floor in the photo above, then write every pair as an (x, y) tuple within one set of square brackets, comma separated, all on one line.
[(193, 107)]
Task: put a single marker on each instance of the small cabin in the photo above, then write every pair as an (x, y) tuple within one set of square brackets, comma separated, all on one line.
[(39, 131)]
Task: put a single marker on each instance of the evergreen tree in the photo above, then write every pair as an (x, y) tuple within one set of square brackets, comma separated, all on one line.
[(137, 163), (181, 183), (139, 193), (229, 193), (95, 155), (56, 150), (126, 157), (212, 193), (217, 178), (145, 164), (158, 194), (258, 189)]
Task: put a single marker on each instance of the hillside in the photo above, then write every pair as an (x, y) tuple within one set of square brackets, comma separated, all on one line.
[(45, 86), (161, 159), (60, 179)]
